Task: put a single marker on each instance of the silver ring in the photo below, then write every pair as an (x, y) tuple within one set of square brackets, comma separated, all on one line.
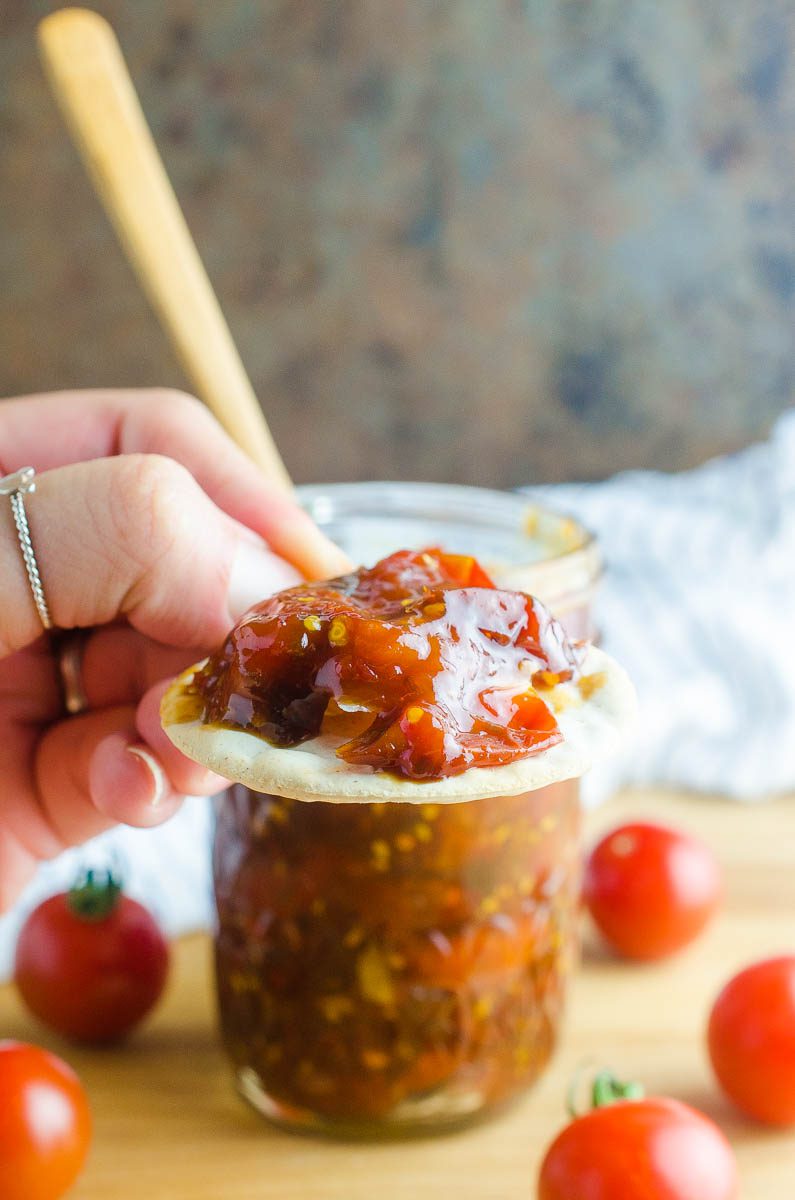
[(69, 649), (15, 486)]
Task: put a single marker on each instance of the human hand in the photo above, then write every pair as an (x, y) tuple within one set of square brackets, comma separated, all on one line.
[(154, 532)]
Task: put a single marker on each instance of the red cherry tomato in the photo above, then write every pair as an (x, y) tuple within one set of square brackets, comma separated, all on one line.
[(92, 962), (650, 889), (654, 1149), (45, 1124), (751, 1039)]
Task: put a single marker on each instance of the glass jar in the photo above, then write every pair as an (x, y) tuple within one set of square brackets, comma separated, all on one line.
[(393, 967)]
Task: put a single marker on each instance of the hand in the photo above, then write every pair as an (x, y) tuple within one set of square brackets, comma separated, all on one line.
[(155, 532)]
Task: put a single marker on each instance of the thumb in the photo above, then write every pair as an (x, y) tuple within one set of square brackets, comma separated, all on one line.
[(132, 537)]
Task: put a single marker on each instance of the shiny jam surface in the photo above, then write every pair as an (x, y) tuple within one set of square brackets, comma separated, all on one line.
[(436, 668), (393, 965)]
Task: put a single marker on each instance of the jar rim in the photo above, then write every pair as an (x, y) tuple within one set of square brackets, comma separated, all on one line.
[(325, 500), (567, 568)]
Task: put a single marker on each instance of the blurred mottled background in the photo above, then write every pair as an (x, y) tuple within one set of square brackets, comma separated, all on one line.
[(492, 241)]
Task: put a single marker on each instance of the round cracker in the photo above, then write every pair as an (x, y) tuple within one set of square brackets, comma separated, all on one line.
[(594, 716)]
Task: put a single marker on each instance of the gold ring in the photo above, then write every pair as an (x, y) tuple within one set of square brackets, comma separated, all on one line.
[(68, 648)]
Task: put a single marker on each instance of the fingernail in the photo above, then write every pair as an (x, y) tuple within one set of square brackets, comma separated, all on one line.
[(256, 573), (159, 781)]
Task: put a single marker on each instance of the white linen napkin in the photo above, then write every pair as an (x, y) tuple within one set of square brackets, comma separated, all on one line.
[(698, 604)]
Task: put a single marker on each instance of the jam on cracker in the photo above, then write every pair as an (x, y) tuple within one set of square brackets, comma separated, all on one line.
[(437, 669)]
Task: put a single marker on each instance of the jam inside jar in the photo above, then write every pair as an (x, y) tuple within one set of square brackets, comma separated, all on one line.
[(393, 967)]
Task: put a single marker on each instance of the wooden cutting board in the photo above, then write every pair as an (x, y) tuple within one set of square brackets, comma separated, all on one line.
[(170, 1127)]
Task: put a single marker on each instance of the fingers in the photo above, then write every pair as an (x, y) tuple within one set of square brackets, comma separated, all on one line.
[(256, 572), (81, 777), (26, 835), (17, 867), (131, 537), (96, 769), (96, 424), (119, 665), (179, 426), (127, 783), (185, 775), (84, 774)]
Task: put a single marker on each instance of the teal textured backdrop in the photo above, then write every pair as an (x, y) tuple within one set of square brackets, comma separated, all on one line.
[(494, 242)]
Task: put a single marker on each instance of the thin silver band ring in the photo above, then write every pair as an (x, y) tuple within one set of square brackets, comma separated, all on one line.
[(68, 645), (16, 486)]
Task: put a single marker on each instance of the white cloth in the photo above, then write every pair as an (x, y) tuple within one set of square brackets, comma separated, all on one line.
[(698, 603)]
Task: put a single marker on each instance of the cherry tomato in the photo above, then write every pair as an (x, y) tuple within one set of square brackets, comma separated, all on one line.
[(91, 962), (650, 889), (653, 1149), (45, 1124), (751, 1039)]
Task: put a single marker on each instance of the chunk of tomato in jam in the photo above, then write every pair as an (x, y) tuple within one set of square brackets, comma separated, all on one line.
[(442, 668)]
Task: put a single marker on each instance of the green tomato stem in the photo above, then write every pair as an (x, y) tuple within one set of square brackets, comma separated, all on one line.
[(605, 1089), (608, 1090), (94, 895)]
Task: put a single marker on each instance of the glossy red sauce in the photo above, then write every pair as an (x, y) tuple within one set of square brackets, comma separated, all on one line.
[(443, 668)]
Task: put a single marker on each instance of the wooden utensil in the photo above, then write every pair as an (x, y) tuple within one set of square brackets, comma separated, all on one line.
[(90, 80)]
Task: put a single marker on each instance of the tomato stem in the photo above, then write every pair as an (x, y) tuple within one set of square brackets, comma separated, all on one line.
[(606, 1089), (94, 894)]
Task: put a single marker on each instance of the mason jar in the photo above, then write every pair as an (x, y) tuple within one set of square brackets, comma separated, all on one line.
[(392, 967)]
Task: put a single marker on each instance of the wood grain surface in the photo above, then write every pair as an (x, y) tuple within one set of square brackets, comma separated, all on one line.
[(170, 1127)]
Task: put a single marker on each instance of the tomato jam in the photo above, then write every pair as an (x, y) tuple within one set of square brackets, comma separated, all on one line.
[(443, 669), (393, 966)]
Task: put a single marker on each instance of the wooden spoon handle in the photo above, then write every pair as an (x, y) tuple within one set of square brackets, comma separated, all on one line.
[(89, 78)]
